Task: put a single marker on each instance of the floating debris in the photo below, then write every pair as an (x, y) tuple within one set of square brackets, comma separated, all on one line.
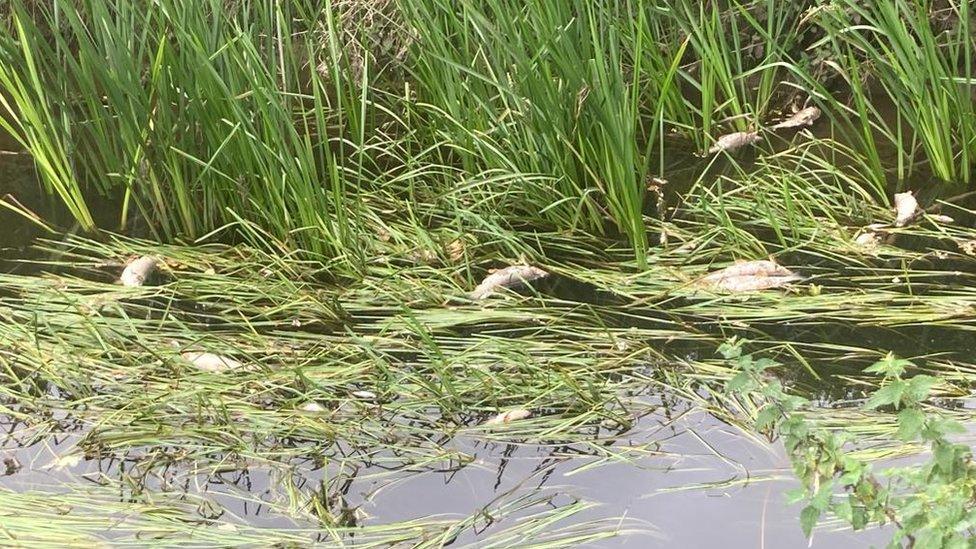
[(509, 277), (906, 208), (733, 141), (138, 271), (455, 249), (11, 465), (422, 257), (655, 184), (210, 362), (803, 117), (312, 406), (365, 395), (750, 276), (505, 418)]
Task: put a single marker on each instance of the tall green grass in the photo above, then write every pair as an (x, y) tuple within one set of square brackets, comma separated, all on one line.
[(538, 89), (316, 125), (194, 115), (920, 62)]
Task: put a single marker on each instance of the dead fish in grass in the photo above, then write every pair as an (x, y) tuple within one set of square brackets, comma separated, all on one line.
[(138, 271), (509, 277), (312, 406), (505, 418), (750, 276), (868, 240), (803, 117), (906, 208), (210, 362), (939, 218), (65, 461), (734, 141)]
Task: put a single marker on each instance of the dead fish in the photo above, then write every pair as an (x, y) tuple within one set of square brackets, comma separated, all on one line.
[(505, 418), (312, 406), (939, 218), (803, 117), (509, 277), (65, 461), (750, 276), (868, 240), (138, 271), (906, 208), (734, 141), (210, 362)]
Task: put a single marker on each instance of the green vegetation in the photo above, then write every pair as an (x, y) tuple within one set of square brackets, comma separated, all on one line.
[(325, 181), (931, 505), (312, 124)]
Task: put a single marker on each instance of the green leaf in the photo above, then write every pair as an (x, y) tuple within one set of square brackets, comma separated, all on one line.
[(821, 500), (956, 542), (859, 518), (768, 417), (795, 495), (944, 455), (741, 382), (845, 511), (808, 519), (920, 386), (890, 394), (890, 366), (773, 389), (731, 349), (850, 478), (937, 428), (928, 539), (794, 402), (910, 423)]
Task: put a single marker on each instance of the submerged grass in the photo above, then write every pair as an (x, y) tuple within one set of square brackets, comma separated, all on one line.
[(391, 391), (382, 380)]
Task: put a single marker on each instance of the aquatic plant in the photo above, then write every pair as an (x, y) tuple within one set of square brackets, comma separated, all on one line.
[(931, 504)]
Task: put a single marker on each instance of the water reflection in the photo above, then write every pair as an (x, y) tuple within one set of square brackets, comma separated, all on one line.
[(686, 478)]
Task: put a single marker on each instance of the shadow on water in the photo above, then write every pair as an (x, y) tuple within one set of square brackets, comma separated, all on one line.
[(21, 189)]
